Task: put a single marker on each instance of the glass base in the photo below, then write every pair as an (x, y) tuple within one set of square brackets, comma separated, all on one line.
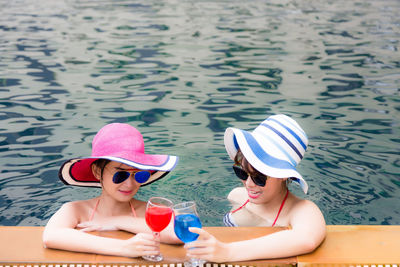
[(158, 257), (194, 263)]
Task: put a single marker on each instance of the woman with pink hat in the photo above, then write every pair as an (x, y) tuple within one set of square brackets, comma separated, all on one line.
[(120, 166), (265, 161)]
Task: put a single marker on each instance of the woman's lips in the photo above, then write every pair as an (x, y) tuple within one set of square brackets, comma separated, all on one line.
[(253, 194), (126, 192)]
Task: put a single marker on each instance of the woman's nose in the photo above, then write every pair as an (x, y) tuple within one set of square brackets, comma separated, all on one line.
[(131, 180), (249, 182)]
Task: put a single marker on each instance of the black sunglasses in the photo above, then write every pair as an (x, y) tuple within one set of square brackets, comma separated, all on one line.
[(140, 176), (258, 179)]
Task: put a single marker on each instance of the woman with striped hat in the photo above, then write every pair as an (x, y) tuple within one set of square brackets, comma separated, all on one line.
[(265, 161)]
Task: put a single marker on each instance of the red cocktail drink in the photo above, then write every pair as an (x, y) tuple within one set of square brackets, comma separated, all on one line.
[(157, 218)]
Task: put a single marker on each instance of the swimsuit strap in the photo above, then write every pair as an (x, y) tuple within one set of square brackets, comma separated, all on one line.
[(247, 201), (133, 209), (277, 215), (94, 210), (280, 208), (97, 204)]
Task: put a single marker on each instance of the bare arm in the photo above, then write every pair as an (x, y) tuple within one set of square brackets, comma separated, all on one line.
[(308, 231), (138, 225), (130, 224), (60, 233)]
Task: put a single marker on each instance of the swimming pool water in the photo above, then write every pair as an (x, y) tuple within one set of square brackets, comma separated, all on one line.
[(184, 71)]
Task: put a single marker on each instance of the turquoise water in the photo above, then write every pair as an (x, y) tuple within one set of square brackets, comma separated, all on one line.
[(184, 71)]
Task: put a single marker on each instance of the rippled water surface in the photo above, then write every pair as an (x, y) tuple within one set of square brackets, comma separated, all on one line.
[(184, 71)]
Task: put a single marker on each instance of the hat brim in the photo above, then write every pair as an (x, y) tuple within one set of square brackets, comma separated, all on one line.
[(259, 157), (78, 171)]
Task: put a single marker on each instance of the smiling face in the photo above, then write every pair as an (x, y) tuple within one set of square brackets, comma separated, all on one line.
[(123, 191), (274, 187), (262, 194)]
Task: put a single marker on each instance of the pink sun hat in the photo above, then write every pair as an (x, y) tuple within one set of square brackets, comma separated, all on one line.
[(117, 142)]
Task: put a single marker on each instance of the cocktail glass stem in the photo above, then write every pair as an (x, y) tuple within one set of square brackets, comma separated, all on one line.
[(194, 262), (157, 257), (158, 239)]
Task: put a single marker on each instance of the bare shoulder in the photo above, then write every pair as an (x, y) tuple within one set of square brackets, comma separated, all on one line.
[(76, 210), (237, 195), (306, 213), (305, 205), (79, 204)]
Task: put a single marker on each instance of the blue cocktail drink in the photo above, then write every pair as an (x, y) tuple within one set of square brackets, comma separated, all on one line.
[(186, 216), (182, 223)]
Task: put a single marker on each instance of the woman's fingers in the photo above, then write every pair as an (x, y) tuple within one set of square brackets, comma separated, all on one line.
[(89, 228), (203, 234), (205, 239), (206, 247), (99, 225), (145, 240), (144, 236), (143, 244), (83, 225)]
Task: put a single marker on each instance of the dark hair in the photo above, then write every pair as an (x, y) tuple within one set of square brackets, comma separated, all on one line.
[(101, 164), (240, 160)]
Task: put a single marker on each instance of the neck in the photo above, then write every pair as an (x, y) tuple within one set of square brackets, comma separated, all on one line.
[(275, 200), (280, 196), (111, 207)]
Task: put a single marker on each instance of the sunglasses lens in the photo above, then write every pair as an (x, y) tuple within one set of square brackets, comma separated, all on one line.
[(241, 174), (142, 176), (259, 180), (120, 176)]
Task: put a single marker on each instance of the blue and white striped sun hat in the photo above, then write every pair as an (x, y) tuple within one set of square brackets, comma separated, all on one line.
[(274, 148)]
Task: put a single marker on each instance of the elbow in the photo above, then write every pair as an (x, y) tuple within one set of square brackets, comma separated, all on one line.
[(48, 241), (310, 244)]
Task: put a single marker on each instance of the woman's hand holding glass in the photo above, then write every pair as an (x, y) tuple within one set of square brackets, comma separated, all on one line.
[(142, 244), (186, 216), (207, 247)]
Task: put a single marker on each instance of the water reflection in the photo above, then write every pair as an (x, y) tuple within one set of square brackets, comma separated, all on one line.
[(184, 71)]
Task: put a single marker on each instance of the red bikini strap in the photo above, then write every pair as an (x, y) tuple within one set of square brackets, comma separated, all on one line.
[(281, 207), (133, 209), (94, 210), (247, 201)]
